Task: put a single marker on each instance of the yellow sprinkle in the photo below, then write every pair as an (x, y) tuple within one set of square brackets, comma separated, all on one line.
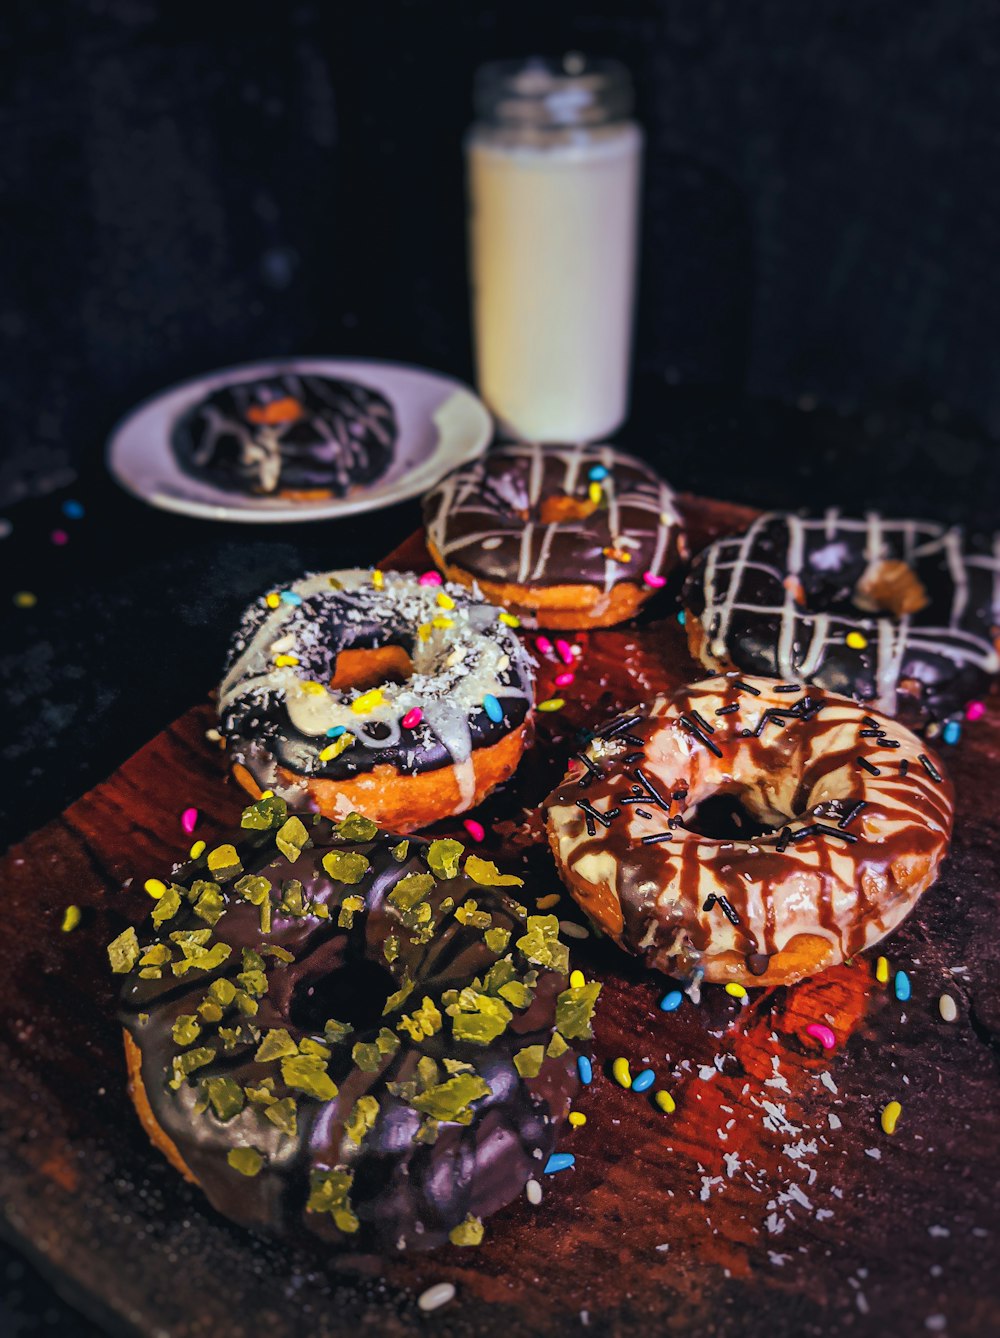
[(424, 631), (445, 600), (25, 599), (890, 1115), (313, 688), (665, 1102), (442, 622), (594, 492), (155, 887), (577, 980), (882, 971), (367, 701), (856, 641), (553, 704), (378, 579), (285, 661), (577, 1119), (546, 903), (737, 991), (71, 918), (334, 749), (197, 849), (272, 600), (267, 794), (510, 620), (621, 1072)]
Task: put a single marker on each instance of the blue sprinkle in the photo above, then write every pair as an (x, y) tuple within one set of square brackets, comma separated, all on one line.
[(290, 597), (597, 472), (952, 732), (643, 1081), (559, 1161), (680, 618), (671, 1001), (493, 708), (585, 1069), (901, 985), (335, 731), (74, 510)]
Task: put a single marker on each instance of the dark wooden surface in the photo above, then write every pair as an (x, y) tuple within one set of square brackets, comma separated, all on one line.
[(769, 1203)]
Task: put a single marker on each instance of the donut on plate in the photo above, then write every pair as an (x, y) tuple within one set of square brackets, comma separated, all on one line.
[(298, 436), (563, 536), (370, 691), (334, 1028), (901, 613), (750, 830)]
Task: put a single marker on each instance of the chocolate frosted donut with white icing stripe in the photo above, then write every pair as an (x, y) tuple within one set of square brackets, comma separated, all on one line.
[(291, 435), (901, 613), (377, 693), (563, 536), (750, 830)]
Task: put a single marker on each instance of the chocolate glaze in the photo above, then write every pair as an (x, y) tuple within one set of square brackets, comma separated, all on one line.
[(485, 517), (406, 1194), (823, 860), (942, 656), (341, 435)]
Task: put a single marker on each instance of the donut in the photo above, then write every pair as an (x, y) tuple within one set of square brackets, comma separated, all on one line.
[(335, 1028), (751, 831), (562, 536), (371, 691), (900, 613), (293, 435)]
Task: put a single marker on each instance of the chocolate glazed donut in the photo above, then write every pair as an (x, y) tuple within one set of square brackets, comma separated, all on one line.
[(902, 613), (828, 824), (331, 1027)]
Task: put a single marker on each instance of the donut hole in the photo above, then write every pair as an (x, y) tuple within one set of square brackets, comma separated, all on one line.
[(370, 667), (355, 992), (727, 816)]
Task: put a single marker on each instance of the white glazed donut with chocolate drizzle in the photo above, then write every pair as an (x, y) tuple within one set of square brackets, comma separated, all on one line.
[(901, 613), (376, 693), (750, 830), (564, 536)]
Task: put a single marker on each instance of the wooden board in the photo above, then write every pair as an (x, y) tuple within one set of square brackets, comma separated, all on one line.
[(769, 1203)]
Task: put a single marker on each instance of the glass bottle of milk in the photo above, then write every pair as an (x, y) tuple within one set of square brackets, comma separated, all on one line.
[(553, 177)]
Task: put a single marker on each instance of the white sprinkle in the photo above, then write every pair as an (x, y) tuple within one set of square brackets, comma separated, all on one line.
[(947, 1008), (835, 1122), (662, 1249), (534, 1192), (939, 1232), (936, 1323), (435, 1297), (572, 930), (5, 528), (874, 1153), (827, 1081)]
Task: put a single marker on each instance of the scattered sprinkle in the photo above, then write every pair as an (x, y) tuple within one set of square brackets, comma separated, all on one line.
[(6, 528), (197, 849), (856, 641), (577, 980), (334, 732), (544, 645), (70, 920), (952, 732), (559, 1161), (435, 1297), (565, 651), (155, 887), (671, 1001), (901, 986), (594, 493), (577, 1119), (475, 829), (189, 820), (565, 679), (444, 600), (290, 597), (510, 620), (367, 701), (313, 688), (823, 1034), (378, 579), (882, 970), (665, 1102), (73, 510), (441, 621), (975, 710), (737, 991), (546, 903), (285, 661), (272, 600), (552, 704), (643, 1081), (948, 1008), (430, 578), (492, 708), (621, 1072), (25, 599), (681, 618), (654, 581), (597, 472), (533, 1192), (412, 718), (585, 1069), (890, 1115), (573, 930), (59, 538)]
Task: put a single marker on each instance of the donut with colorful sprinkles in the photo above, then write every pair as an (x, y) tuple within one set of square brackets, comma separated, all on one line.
[(399, 697), (333, 1028), (749, 830), (562, 536)]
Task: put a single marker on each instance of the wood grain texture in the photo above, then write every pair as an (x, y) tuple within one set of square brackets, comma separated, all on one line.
[(769, 1203)]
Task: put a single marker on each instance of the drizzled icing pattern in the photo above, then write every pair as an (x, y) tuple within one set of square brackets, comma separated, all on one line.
[(856, 817), (293, 432), (747, 594), (484, 517), (275, 704)]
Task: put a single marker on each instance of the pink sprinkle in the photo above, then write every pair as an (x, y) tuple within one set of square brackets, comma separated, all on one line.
[(564, 680), (431, 578), (413, 718), (475, 829), (565, 651), (652, 580), (189, 820), (544, 644), (975, 710), (822, 1034), (59, 537)]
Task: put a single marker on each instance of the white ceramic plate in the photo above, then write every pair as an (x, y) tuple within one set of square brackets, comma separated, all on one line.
[(441, 425)]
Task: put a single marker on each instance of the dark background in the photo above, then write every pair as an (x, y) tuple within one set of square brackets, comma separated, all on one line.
[(188, 185)]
